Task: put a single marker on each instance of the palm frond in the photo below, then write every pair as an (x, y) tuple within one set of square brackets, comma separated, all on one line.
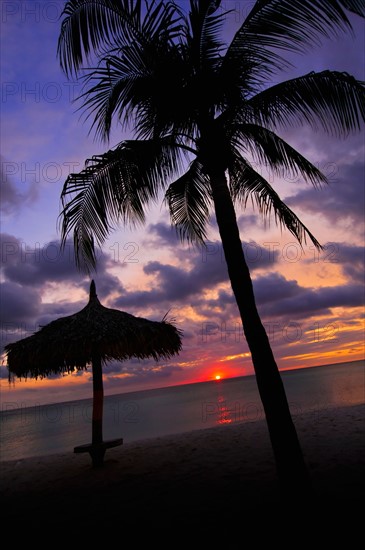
[(89, 25), (245, 183), (188, 199), (276, 153), (137, 88), (355, 6), (162, 19), (289, 25), (92, 26), (205, 25), (334, 101), (293, 25), (114, 187), (114, 87)]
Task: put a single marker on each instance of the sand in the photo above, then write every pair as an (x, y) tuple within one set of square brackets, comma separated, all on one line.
[(220, 480)]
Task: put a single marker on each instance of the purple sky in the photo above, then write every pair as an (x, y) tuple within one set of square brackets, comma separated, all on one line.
[(311, 304)]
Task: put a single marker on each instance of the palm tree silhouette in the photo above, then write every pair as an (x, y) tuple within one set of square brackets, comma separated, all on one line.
[(199, 109)]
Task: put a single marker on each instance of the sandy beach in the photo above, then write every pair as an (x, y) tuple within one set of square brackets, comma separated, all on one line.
[(200, 480)]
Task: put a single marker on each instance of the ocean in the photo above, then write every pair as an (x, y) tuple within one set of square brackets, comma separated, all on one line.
[(47, 429)]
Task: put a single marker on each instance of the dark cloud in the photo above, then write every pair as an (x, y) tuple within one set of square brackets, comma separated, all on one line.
[(279, 298), (36, 264), (275, 288), (179, 284), (11, 199), (26, 271), (18, 304), (208, 268), (164, 234), (352, 259), (342, 199), (19, 310), (10, 250), (298, 302)]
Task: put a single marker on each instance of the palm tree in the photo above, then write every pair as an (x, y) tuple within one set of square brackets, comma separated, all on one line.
[(199, 111)]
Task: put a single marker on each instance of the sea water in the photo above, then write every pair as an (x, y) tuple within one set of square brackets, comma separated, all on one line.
[(48, 429)]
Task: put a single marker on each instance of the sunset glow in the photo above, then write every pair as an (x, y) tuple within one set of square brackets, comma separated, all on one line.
[(310, 301)]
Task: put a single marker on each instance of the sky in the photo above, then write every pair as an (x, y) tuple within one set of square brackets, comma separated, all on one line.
[(311, 303)]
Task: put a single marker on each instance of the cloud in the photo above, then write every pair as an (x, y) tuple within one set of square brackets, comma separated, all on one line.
[(277, 297), (11, 199), (295, 301), (28, 270), (275, 288), (18, 304), (246, 222), (19, 309), (140, 369), (208, 268), (352, 259), (342, 199), (164, 234), (36, 264)]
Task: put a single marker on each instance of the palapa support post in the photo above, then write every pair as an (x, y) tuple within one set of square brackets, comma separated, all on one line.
[(98, 446), (97, 453)]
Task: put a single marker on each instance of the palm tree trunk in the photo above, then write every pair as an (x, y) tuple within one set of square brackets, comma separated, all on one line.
[(291, 468), (97, 452)]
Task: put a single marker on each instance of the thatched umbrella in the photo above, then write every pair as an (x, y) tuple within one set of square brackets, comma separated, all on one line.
[(92, 336)]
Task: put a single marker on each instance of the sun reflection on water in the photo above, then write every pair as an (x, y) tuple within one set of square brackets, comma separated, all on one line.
[(224, 413)]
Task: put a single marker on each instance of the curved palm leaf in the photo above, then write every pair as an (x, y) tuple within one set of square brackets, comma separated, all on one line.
[(203, 52), (108, 96), (91, 26), (202, 34), (355, 6), (115, 186), (294, 25), (140, 82), (246, 183), (272, 150), (274, 25), (333, 100), (188, 199), (137, 87)]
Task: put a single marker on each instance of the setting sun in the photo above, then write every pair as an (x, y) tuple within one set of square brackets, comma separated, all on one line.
[(218, 377)]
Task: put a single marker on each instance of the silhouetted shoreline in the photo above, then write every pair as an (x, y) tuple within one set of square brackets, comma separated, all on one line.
[(192, 479)]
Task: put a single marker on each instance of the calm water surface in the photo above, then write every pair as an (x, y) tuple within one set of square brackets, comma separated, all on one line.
[(47, 429)]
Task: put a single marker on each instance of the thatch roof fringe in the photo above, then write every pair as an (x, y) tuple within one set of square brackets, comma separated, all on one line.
[(69, 343)]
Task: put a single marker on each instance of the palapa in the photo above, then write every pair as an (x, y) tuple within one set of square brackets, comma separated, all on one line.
[(91, 337)]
